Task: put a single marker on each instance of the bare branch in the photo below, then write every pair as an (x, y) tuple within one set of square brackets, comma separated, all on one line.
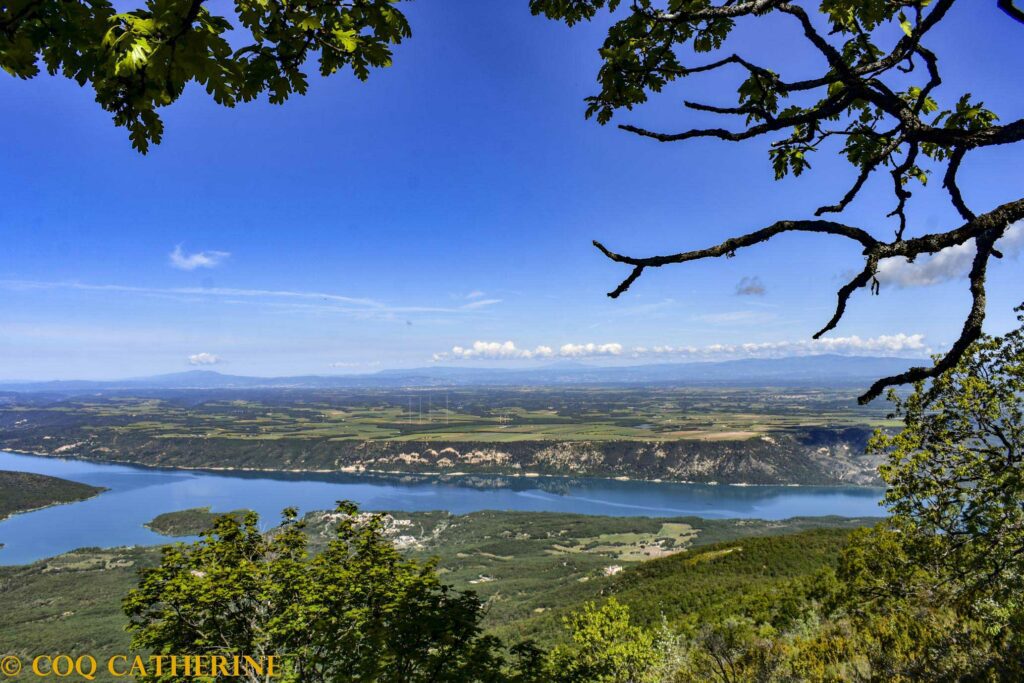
[(865, 173), (899, 188), (971, 331), (862, 178), (1011, 10), (745, 109), (847, 291), (830, 107), (726, 11), (729, 247), (731, 59), (949, 182)]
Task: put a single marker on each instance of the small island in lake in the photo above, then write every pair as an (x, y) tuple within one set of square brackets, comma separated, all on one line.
[(192, 522), (22, 492)]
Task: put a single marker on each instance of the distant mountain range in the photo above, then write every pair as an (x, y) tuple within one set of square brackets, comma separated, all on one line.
[(823, 370)]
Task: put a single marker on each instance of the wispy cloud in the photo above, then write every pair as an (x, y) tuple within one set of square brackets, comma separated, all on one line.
[(203, 359), (951, 263), (475, 294), (750, 286), (200, 259), (308, 300), (480, 303), (736, 317), (883, 345)]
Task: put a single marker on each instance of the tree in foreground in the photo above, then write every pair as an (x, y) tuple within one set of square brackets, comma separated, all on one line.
[(139, 60), (874, 96), (942, 580), (956, 472), (358, 611), (603, 647)]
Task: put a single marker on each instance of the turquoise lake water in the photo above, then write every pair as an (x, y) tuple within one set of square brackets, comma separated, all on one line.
[(139, 494)]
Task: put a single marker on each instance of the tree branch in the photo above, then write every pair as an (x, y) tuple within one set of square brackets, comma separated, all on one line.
[(865, 276), (1011, 10), (985, 230), (949, 182), (830, 107), (970, 333), (729, 246)]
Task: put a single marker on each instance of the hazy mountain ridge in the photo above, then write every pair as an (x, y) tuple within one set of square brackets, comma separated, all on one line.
[(799, 370)]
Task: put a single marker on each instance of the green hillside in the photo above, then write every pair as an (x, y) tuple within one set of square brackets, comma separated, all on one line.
[(21, 491), (191, 522), (752, 576), (530, 568)]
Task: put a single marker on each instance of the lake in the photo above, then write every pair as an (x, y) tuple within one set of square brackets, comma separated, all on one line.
[(138, 494)]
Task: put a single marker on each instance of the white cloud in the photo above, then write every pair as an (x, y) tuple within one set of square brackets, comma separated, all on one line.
[(951, 263), (581, 350), (893, 344), (200, 259), (884, 345), (203, 359), (494, 351), (475, 294), (484, 350)]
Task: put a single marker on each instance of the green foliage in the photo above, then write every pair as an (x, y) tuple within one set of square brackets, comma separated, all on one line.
[(934, 591), (358, 611), (647, 49), (604, 648), (766, 580), (735, 649), (137, 61), (72, 603), (956, 473)]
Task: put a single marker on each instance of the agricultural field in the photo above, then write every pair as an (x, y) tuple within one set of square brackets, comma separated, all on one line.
[(726, 435), (465, 415)]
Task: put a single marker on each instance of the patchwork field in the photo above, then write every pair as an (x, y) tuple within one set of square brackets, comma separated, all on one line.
[(486, 415), (725, 435)]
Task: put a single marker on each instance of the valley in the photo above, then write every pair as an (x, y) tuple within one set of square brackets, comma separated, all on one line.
[(725, 434)]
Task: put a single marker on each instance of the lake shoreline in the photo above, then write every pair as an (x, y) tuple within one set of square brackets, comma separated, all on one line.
[(138, 493), (407, 473)]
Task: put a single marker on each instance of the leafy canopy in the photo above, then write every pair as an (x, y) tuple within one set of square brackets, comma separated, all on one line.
[(137, 61), (956, 473), (604, 648), (358, 611)]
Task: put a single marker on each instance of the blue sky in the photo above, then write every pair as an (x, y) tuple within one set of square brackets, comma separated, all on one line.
[(444, 209)]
